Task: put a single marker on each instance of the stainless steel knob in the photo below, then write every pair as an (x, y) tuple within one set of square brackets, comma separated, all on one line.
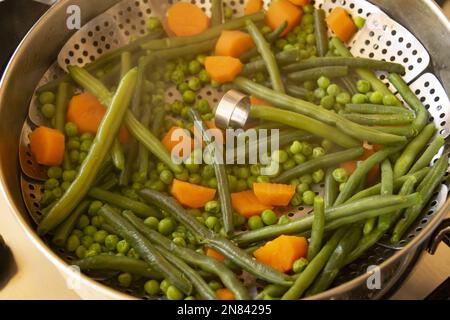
[(233, 110)]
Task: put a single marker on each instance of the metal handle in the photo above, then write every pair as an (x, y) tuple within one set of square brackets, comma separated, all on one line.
[(442, 234)]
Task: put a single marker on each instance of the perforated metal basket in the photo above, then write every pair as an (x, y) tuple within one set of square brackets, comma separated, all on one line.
[(112, 24)]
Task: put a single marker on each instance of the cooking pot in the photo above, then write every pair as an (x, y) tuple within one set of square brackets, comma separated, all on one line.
[(40, 48)]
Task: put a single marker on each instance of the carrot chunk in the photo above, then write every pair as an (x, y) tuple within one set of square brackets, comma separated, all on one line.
[(225, 294), (253, 6), (186, 19), (272, 194), (214, 254), (282, 252), (300, 2), (178, 137), (47, 146), (258, 102), (281, 11), (223, 69), (247, 204), (87, 113), (341, 24), (233, 43), (191, 195), (374, 174)]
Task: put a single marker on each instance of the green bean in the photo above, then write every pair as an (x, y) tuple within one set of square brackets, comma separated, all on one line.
[(125, 63), (307, 277), (224, 246), (145, 249), (302, 122), (67, 163), (428, 155), (426, 189), (132, 153), (158, 121), (414, 103), (283, 58), (143, 154), (271, 38), (348, 84), (379, 119), (201, 286), (64, 229), (321, 32), (125, 203), (316, 73), (211, 33), (216, 12), (137, 97), (362, 171), (363, 73), (102, 143), (336, 261), (220, 172), (62, 100), (267, 56), (315, 243), (173, 53), (311, 110), (117, 155), (412, 150), (334, 213), (386, 221), (348, 61), (104, 60), (297, 92), (331, 188), (375, 109), (118, 263), (398, 182), (325, 161), (271, 290), (193, 258), (111, 182), (140, 132)]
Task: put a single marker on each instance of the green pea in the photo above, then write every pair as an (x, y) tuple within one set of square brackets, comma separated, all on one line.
[(280, 156), (269, 217), (299, 265), (151, 287), (343, 98), (51, 184), (296, 147), (260, 77), (309, 8), (255, 169), (179, 241), (71, 129), (215, 285), (255, 222), (177, 76), (194, 84), (318, 176), (95, 207), (153, 23), (83, 221), (87, 241), (204, 77), (207, 172), (307, 179), (100, 236), (363, 86), (95, 247), (340, 175), (164, 285), (166, 177), (77, 233), (48, 110), (86, 136), (111, 241), (211, 222), (174, 294), (243, 173), (307, 149), (212, 183), (311, 39), (166, 226), (74, 156), (158, 186), (263, 179), (296, 200), (376, 98), (250, 181), (73, 242), (73, 144), (359, 22), (80, 252), (176, 107), (289, 164), (122, 246), (318, 152), (299, 158), (359, 98), (189, 96), (46, 97), (69, 175), (280, 43), (125, 279), (327, 102), (133, 254), (195, 178), (90, 230), (389, 100), (309, 85), (212, 207), (57, 192), (195, 66), (291, 37), (202, 106), (284, 219), (308, 197), (320, 93), (97, 221), (323, 82), (152, 222)]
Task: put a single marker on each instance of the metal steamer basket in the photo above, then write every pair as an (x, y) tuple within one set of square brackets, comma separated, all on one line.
[(412, 32)]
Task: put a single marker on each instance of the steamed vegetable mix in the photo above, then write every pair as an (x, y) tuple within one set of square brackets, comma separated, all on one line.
[(144, 188)]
